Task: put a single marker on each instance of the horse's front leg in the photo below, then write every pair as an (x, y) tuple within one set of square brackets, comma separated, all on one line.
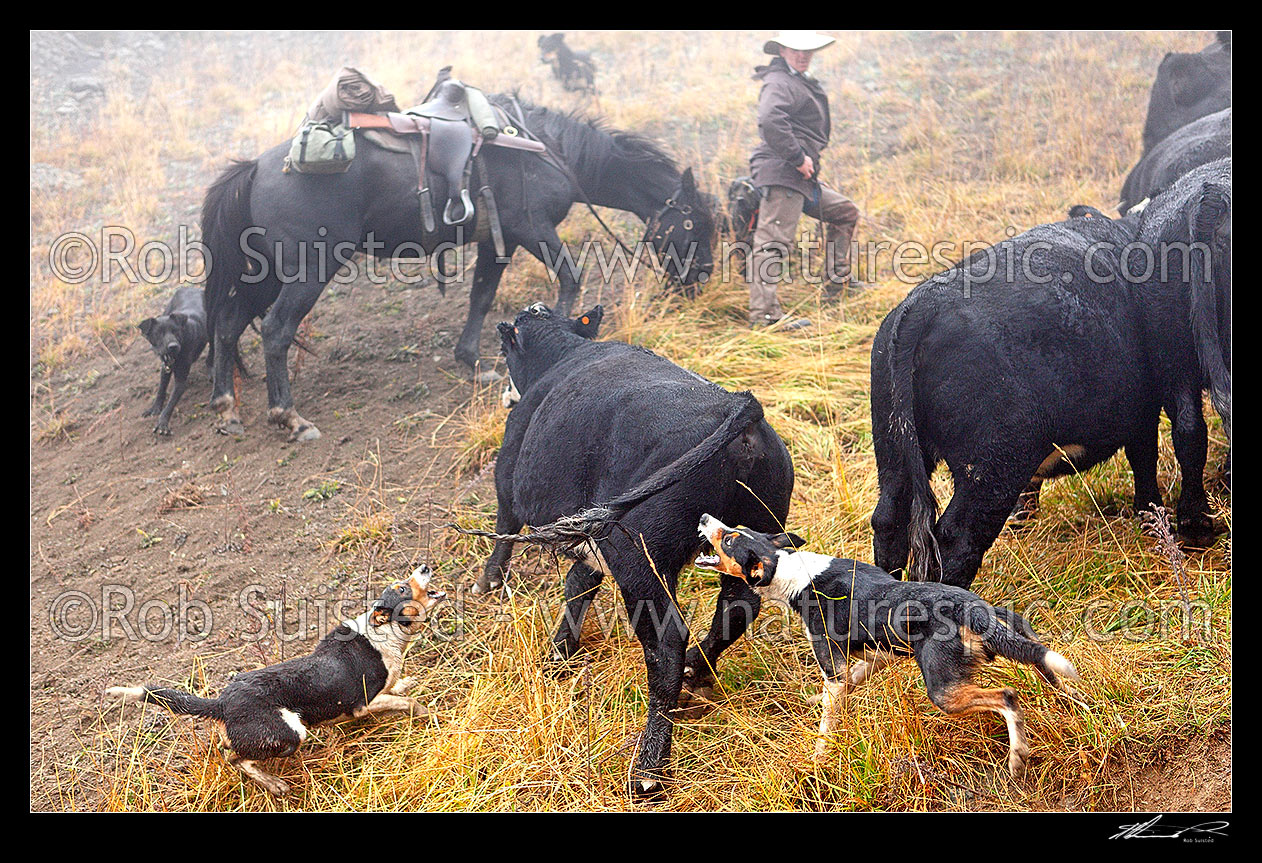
[(486, 281), (279, 328), (561, 265)]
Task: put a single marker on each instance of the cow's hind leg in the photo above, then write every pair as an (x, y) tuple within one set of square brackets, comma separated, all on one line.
[(663, 634), (1142, 455), (736, 609), (581, 584), (1191, 446), (279, 328)]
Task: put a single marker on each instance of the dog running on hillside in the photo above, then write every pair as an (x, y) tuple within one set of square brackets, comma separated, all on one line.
[(849, 606), (574, 69), (353, 671), (178, 337)]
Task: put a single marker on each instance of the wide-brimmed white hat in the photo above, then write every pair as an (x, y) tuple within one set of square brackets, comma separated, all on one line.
[(798, 40)]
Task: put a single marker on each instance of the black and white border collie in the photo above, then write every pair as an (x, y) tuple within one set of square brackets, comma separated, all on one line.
[(853, 607), (353, 671)]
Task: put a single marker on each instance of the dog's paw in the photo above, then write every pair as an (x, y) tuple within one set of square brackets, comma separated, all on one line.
[(234, 428), (152, 411), (276, 786), (402, 685), (160, 429)]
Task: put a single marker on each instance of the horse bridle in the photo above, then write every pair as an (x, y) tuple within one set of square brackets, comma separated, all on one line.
[(655, 221)]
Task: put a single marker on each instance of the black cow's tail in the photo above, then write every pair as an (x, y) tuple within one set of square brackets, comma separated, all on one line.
[(594, 523), (175, 700), (1010, 635), (225, 218), (908, 327), (1208, 282)]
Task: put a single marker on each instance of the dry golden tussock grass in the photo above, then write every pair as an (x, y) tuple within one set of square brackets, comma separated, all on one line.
[(936, 137)]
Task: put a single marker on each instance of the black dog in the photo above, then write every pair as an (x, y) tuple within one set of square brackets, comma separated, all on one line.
[(849, 607), (353, 671), (178, 338), (574, 69)]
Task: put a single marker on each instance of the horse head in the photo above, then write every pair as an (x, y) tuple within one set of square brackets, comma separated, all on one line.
[(682, 232)]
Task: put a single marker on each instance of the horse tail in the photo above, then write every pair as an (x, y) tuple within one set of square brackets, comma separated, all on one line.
[(906, 331), (225, 217)]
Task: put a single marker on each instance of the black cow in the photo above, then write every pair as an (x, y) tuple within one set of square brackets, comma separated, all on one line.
[(1198, 143), (611, 424), (1188, 86), (1048, 371)]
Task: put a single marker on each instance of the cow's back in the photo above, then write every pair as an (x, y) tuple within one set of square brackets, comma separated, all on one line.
[(606, 424), (1034, 350)]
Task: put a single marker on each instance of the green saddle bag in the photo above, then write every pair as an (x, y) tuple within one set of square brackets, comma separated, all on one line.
[(321, 148)]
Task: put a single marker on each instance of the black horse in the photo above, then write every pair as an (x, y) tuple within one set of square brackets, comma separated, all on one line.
[(276, 239)]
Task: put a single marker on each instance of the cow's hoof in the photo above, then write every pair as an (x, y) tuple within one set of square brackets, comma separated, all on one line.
[(693, 703), (234, 428), (165, 431), (694, 678), (1198, 534), (648, 790), (559, 666), (305, 434), (485, 585)]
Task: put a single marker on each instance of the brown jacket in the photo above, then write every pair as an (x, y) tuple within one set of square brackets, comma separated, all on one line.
[(793, 122)]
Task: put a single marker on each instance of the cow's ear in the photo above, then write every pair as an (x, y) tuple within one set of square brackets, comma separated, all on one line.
[(790, 541), (588, 323), (146, 326), (508, 335)]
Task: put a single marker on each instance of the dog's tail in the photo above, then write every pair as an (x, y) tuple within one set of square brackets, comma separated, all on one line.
[(174, 700), (1010, 635)]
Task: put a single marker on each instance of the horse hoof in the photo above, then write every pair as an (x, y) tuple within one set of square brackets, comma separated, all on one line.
[(305, 434), (235, 428)]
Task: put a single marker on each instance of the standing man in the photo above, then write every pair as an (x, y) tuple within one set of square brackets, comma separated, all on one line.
[(794, 126)]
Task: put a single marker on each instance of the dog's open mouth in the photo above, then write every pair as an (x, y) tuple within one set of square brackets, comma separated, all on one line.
[(706, 561)]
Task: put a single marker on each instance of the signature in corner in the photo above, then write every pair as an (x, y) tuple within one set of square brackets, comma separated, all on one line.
[(1143, 830)]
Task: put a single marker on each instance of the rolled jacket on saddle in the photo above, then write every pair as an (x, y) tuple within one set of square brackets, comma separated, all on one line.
[(794, 123)]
